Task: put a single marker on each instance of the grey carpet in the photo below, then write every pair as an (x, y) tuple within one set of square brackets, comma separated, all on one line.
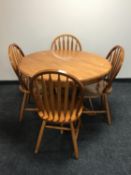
[(103, 149)]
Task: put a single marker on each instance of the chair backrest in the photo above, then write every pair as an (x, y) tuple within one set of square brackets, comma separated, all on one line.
[(66, 42), (15, 56), (58, 95), (116, 58)]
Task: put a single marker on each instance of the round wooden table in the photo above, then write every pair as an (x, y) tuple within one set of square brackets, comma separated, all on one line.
[(87, 67)]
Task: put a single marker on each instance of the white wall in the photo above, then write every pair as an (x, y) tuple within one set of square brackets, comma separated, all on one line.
[(32, 24)]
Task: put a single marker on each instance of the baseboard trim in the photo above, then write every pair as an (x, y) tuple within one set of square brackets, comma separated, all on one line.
[(126, 80), (8, 82), (11, 82)]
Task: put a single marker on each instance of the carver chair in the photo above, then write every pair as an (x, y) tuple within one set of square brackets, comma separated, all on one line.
[(103, 88), (61, 110), (66, 42)]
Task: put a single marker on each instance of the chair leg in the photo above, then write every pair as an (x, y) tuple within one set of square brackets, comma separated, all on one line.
[(39, 139), (78, 128), (24, 100), (109, 118), (74, 140)]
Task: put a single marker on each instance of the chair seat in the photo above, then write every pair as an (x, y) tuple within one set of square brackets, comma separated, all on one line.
[(96, 89), (62, 118)]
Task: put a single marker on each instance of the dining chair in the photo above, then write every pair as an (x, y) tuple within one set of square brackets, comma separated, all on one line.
[(61, 110), (103, 88), (15, 55), (66, 42)]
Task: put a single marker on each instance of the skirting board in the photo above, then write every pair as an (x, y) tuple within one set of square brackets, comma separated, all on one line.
[(4, 82)]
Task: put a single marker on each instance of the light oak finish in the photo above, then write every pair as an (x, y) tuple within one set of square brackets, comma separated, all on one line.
[(104, 87), (58, 103), (16, 55), (66, 42), (87, 67)]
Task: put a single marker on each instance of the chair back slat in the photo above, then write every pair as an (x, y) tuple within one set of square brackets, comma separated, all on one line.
[(73, 98), (57, 94), (55, 46), (63, 44), (59, 43), (66, 96), (66, 42), (116, 58), (52, 94), (39, 96), (44, 94), (72, 43)]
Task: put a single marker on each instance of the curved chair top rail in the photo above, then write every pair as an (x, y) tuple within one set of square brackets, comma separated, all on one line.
[(66, 42)]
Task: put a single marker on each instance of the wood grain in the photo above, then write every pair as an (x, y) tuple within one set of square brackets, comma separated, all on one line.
[(87, 67)]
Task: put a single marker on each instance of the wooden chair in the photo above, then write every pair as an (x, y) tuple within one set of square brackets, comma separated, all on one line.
[(66, 42), (15, 56), (62, 108), (103, 88)]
